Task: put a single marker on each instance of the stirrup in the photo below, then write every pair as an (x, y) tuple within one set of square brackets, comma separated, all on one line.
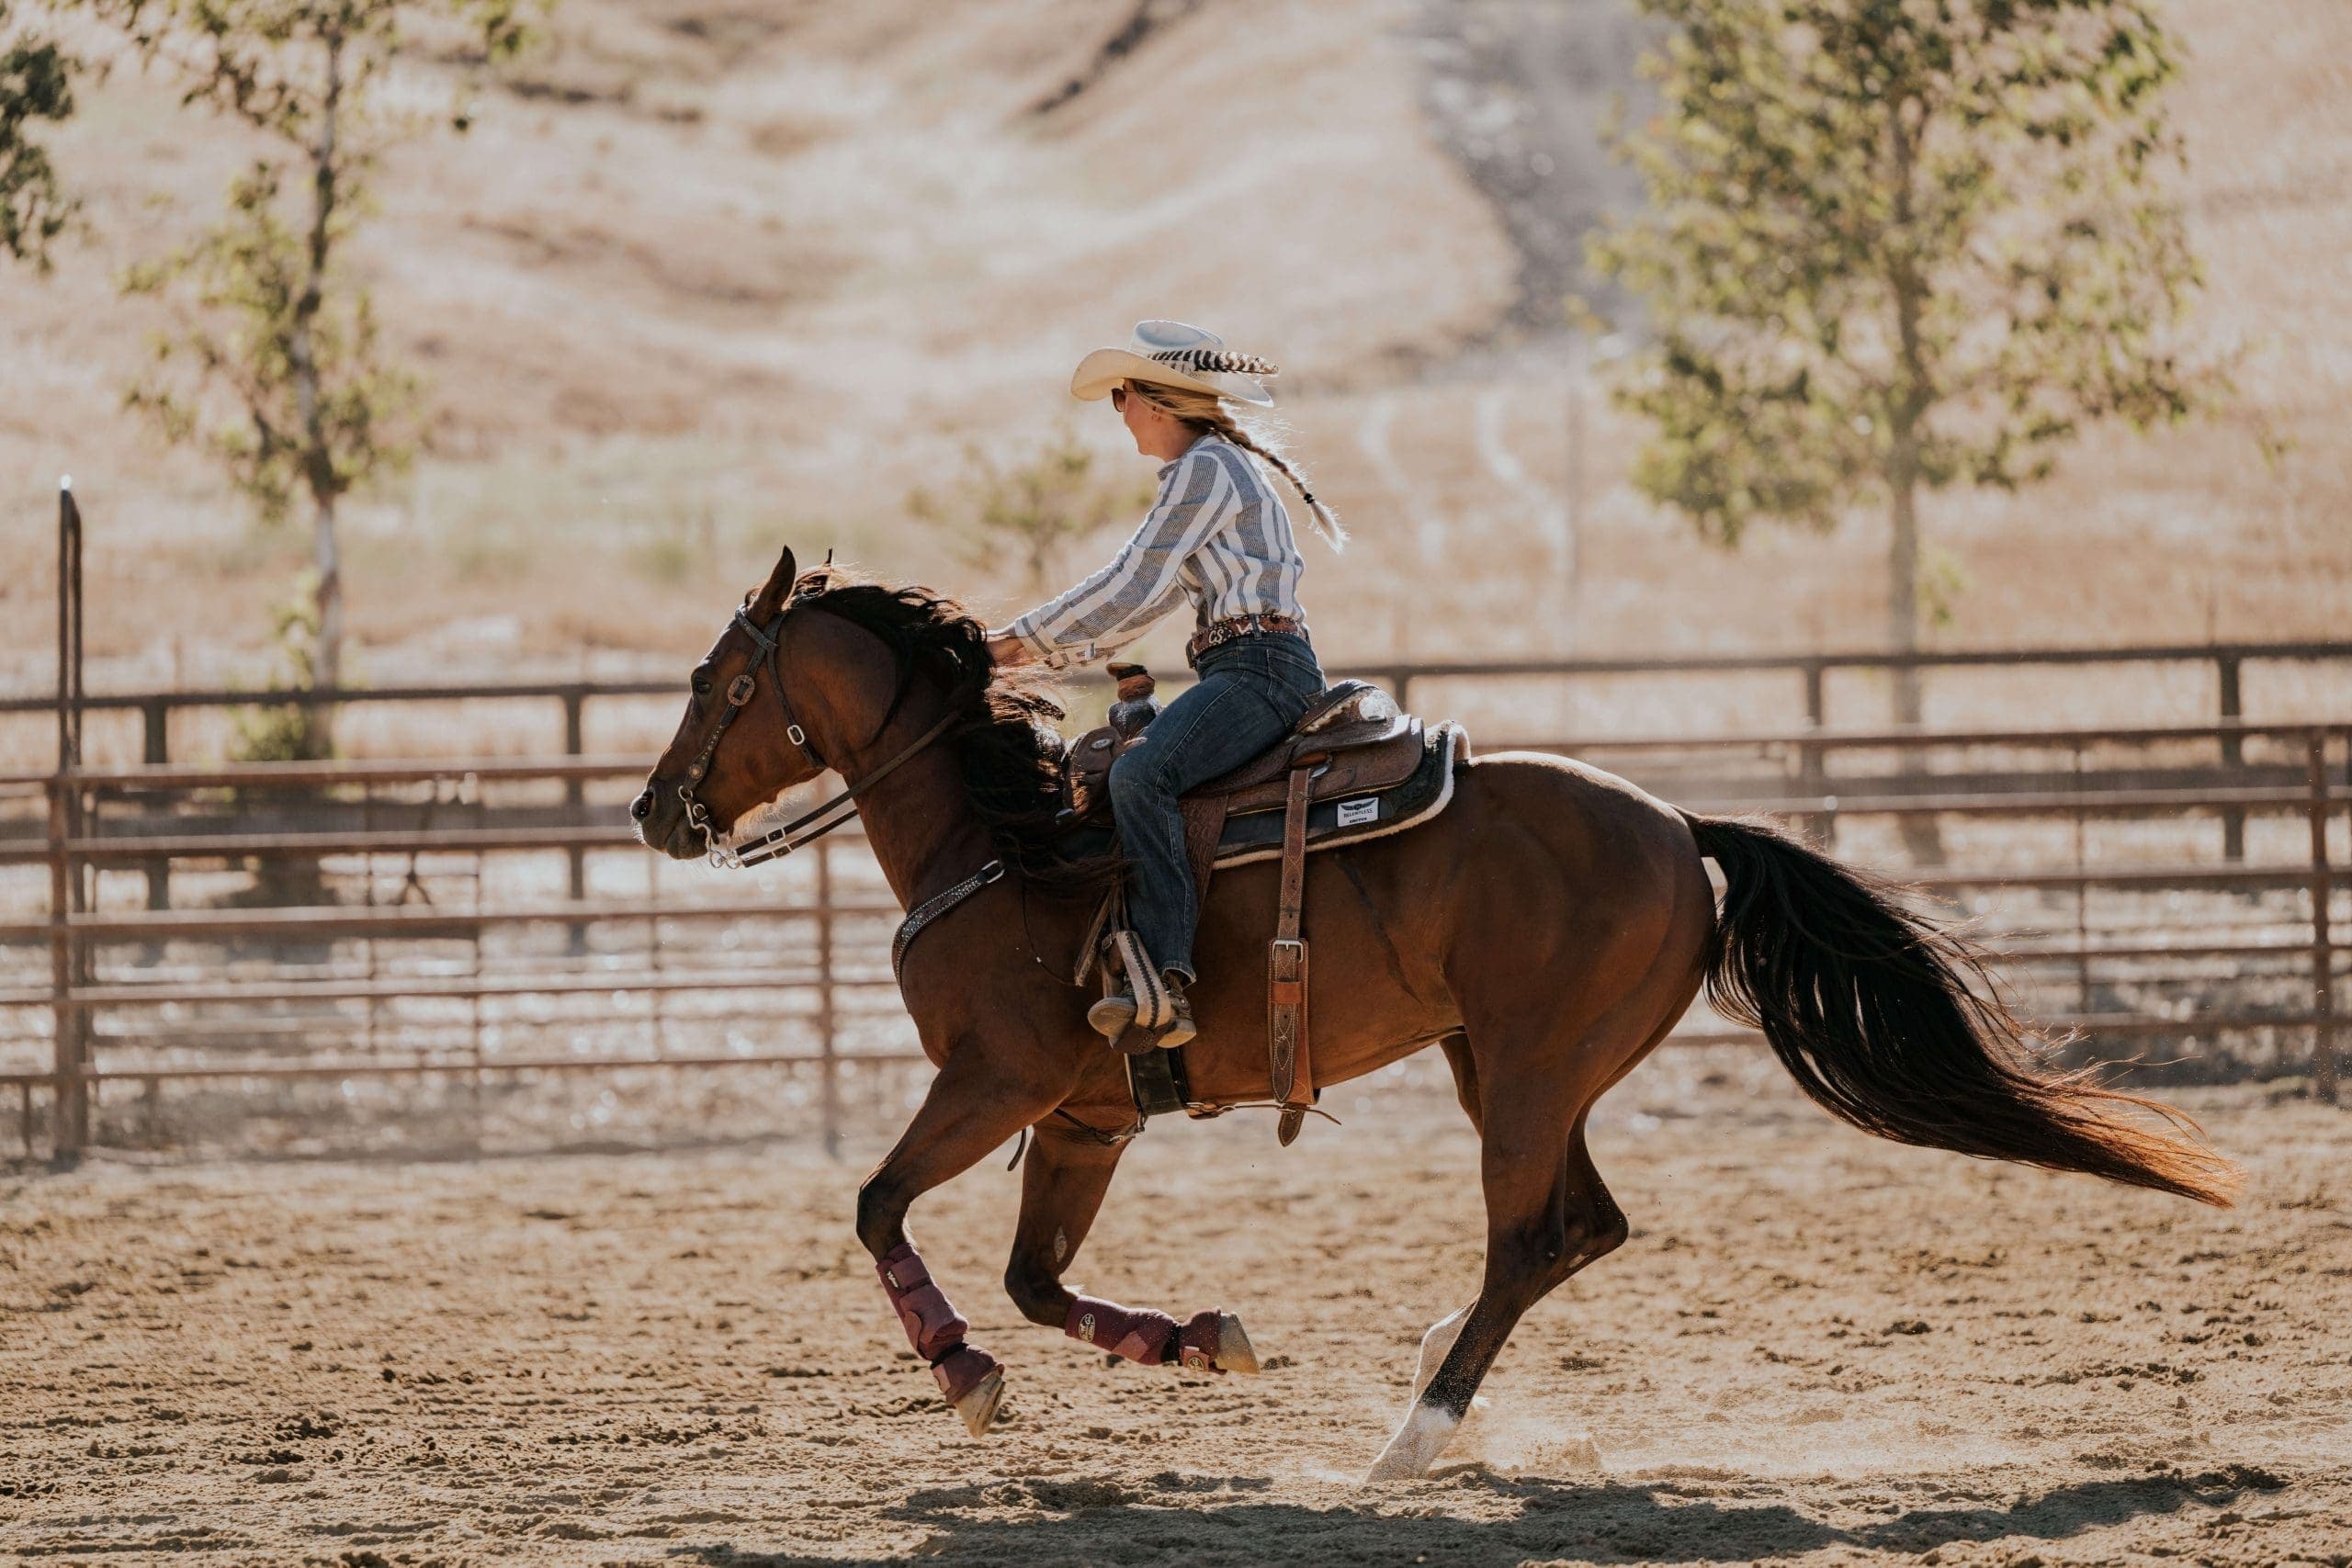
[(1180, 1030), (1143, 999)]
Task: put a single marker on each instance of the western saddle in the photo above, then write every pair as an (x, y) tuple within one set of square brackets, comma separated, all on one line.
[(1355, 765)]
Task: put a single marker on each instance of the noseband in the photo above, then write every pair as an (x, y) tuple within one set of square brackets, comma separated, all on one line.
[(811, 825)]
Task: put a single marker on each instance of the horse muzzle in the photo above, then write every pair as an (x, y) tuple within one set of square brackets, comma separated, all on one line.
[(662, 823)]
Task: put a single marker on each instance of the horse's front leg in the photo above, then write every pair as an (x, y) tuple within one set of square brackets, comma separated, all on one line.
[(973, 1106), (1062, 1184)]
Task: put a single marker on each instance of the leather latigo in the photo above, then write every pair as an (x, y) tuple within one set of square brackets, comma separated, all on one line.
[(1291, 1073)]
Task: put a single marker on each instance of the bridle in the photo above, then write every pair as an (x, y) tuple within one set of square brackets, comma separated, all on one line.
[(811, 825)]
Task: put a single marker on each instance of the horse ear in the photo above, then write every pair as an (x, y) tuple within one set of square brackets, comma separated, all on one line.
[(778, 587)]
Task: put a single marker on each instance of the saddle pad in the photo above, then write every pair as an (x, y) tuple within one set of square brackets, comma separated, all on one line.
[(1346, 820)]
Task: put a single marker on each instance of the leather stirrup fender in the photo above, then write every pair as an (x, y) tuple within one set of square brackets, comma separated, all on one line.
[(1292, 1068)]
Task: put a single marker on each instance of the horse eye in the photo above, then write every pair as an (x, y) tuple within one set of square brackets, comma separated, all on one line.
[(702, 685)]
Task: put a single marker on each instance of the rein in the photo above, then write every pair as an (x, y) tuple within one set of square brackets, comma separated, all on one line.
[(810, 825)]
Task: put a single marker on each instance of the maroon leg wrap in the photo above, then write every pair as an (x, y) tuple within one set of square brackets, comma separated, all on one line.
[(1142, 1335), (961, 1370), (933, 1326), (1196, 1343)]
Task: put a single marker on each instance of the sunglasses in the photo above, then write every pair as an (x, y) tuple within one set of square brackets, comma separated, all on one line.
[(1119, 399)]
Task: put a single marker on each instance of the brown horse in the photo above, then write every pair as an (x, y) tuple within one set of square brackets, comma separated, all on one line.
[(1545, 932)]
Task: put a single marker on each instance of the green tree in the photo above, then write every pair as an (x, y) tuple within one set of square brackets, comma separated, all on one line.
[(1031, 507), (275, 364), (1892, 246), (36, 84)]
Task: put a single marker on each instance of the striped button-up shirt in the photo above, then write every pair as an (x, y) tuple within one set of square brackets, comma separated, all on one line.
[(1217, 535)]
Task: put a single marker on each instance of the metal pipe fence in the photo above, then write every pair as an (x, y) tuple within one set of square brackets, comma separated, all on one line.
[(330, 988)]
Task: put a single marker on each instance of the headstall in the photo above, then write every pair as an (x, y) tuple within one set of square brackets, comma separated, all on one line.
[(811, 825)]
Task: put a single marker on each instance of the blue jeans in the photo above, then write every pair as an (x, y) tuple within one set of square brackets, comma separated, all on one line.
[(1250, 692)]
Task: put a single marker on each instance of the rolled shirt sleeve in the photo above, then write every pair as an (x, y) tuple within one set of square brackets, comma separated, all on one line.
[(1143, 581)]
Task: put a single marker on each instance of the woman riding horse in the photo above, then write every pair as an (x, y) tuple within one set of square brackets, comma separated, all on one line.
[(1218, 536), (1545, 932)]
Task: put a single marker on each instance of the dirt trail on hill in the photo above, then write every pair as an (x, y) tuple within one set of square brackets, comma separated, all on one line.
[(1815, 1348)]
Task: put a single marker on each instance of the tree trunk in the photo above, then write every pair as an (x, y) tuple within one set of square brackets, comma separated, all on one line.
[(318, 456), (1903, 587), (1914, 394), (326, 664), (1922, 839)]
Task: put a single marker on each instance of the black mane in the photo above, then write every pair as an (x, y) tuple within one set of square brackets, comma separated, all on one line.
[(1012, 753)]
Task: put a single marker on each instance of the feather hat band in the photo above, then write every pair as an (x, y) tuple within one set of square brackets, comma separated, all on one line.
[(1172, 354)]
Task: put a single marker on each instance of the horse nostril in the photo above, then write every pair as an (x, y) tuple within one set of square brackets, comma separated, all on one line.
[(642, 807)]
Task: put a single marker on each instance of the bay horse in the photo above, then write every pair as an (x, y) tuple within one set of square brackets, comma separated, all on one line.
[(1544, 931)]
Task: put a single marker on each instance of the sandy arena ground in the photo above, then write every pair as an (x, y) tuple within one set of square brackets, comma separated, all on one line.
[(1816, 1349)]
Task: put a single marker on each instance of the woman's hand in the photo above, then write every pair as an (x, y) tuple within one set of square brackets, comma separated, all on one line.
[(1008, 651)]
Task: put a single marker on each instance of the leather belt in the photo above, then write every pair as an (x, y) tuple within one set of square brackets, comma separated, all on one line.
[(1216, 633)]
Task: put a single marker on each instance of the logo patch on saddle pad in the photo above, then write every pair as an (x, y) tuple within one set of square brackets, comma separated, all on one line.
[(1353, 812)]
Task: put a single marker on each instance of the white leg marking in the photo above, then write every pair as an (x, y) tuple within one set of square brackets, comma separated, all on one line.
[(1426, 1428), (1434, 1346), (1416, 1446)]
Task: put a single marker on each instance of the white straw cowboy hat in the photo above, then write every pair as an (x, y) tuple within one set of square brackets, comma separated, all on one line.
[(1175, 354)]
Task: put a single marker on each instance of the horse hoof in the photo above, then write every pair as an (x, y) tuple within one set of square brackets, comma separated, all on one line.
[(971, 1381), (1416, 1445), (978, 1407), (1234, 1353)]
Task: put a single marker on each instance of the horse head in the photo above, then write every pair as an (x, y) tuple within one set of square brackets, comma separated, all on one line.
[(744, 739)]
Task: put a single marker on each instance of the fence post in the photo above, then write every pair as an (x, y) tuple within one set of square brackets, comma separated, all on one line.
[(2226, 666), (2323, 946), (830, 1065), (69, 1086), (155, 716), (1812, 773), (575, 797), (69, 1090)]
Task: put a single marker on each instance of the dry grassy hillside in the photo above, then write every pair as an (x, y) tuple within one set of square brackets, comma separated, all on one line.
[(705, 279)]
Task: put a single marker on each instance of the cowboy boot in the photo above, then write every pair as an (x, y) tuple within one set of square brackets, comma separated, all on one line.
[(1113, 1016)]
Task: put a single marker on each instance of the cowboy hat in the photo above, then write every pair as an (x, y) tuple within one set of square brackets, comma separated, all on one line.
[(1174, 355)]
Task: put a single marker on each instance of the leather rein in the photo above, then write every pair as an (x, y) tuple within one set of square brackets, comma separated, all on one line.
[(810, 825)]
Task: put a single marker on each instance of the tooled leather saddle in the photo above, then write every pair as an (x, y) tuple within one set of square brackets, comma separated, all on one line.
[(1354, 766)]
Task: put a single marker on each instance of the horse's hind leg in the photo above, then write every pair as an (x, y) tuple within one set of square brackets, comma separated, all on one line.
[(1465, 1067), (1062, 1184), (1547, 1215), (1441, 1333)]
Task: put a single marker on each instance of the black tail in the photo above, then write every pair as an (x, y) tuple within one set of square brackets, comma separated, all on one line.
[(1888, 1022)]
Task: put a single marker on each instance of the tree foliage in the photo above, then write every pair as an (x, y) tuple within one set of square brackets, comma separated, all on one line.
[(275, 365), (1899, 244), (36, 86), (1031, 507), (295, 400)]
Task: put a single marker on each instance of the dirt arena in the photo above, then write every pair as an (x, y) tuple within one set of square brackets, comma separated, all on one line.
[(1817, 1347)]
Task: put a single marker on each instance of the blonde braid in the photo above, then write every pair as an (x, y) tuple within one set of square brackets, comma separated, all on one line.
[(1254, 434)]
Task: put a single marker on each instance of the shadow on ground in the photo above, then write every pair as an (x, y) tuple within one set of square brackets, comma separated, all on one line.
[(1197, 1520)]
